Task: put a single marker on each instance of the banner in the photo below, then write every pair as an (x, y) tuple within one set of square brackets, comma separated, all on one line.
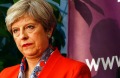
[(94, 35)]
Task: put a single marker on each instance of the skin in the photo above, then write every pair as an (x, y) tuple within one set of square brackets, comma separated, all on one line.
[(31, 40)]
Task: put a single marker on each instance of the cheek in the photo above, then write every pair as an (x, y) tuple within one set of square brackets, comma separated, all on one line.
[(17, 42), (40, 36), (41, 39)]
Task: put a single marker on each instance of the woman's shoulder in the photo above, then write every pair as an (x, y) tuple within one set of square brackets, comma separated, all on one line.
[(74, 63), (15, 67), (62, 60), (76, 67), (10, 71), (68, 60)]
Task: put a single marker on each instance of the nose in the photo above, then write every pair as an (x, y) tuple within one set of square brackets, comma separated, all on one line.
[(23, 35)]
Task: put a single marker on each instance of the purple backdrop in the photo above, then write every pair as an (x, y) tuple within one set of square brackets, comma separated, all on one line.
[(94, 35)]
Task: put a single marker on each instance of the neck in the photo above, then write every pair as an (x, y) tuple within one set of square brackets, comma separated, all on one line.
[(32, 62)]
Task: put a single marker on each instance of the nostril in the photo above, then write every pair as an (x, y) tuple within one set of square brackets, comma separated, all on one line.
[(25, 38)]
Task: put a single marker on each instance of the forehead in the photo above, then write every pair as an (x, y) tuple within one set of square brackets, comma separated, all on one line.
[(23, 20)]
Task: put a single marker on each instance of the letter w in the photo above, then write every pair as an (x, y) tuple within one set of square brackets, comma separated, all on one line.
[(93, 64), (108, 62), (118, 61)]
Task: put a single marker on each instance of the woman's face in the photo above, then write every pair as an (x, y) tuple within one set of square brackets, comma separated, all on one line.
[(30, 37)]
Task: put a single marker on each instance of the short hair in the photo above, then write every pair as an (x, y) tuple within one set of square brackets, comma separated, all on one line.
[(40, 10)]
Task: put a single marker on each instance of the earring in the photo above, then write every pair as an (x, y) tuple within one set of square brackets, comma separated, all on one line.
[(49, 35)]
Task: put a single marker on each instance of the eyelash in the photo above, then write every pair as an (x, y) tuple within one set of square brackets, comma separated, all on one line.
[(30, 27), (14, 30)]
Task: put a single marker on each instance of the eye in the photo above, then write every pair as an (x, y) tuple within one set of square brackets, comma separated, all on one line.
[(14, 30), (30, 27)]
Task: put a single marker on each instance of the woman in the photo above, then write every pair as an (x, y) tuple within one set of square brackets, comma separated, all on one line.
[(32, 22)]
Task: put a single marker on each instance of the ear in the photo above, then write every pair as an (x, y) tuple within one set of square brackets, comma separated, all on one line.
[(49, 33)]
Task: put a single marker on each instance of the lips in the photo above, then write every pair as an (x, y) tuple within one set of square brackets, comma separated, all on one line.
[(27, 45)]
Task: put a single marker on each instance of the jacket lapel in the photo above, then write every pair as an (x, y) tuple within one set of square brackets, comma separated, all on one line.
[(50, 64)]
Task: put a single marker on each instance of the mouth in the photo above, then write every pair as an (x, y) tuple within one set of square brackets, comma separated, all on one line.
[(27, 45)]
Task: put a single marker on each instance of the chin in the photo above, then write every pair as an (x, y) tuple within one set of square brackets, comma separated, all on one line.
[(28, 53)]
